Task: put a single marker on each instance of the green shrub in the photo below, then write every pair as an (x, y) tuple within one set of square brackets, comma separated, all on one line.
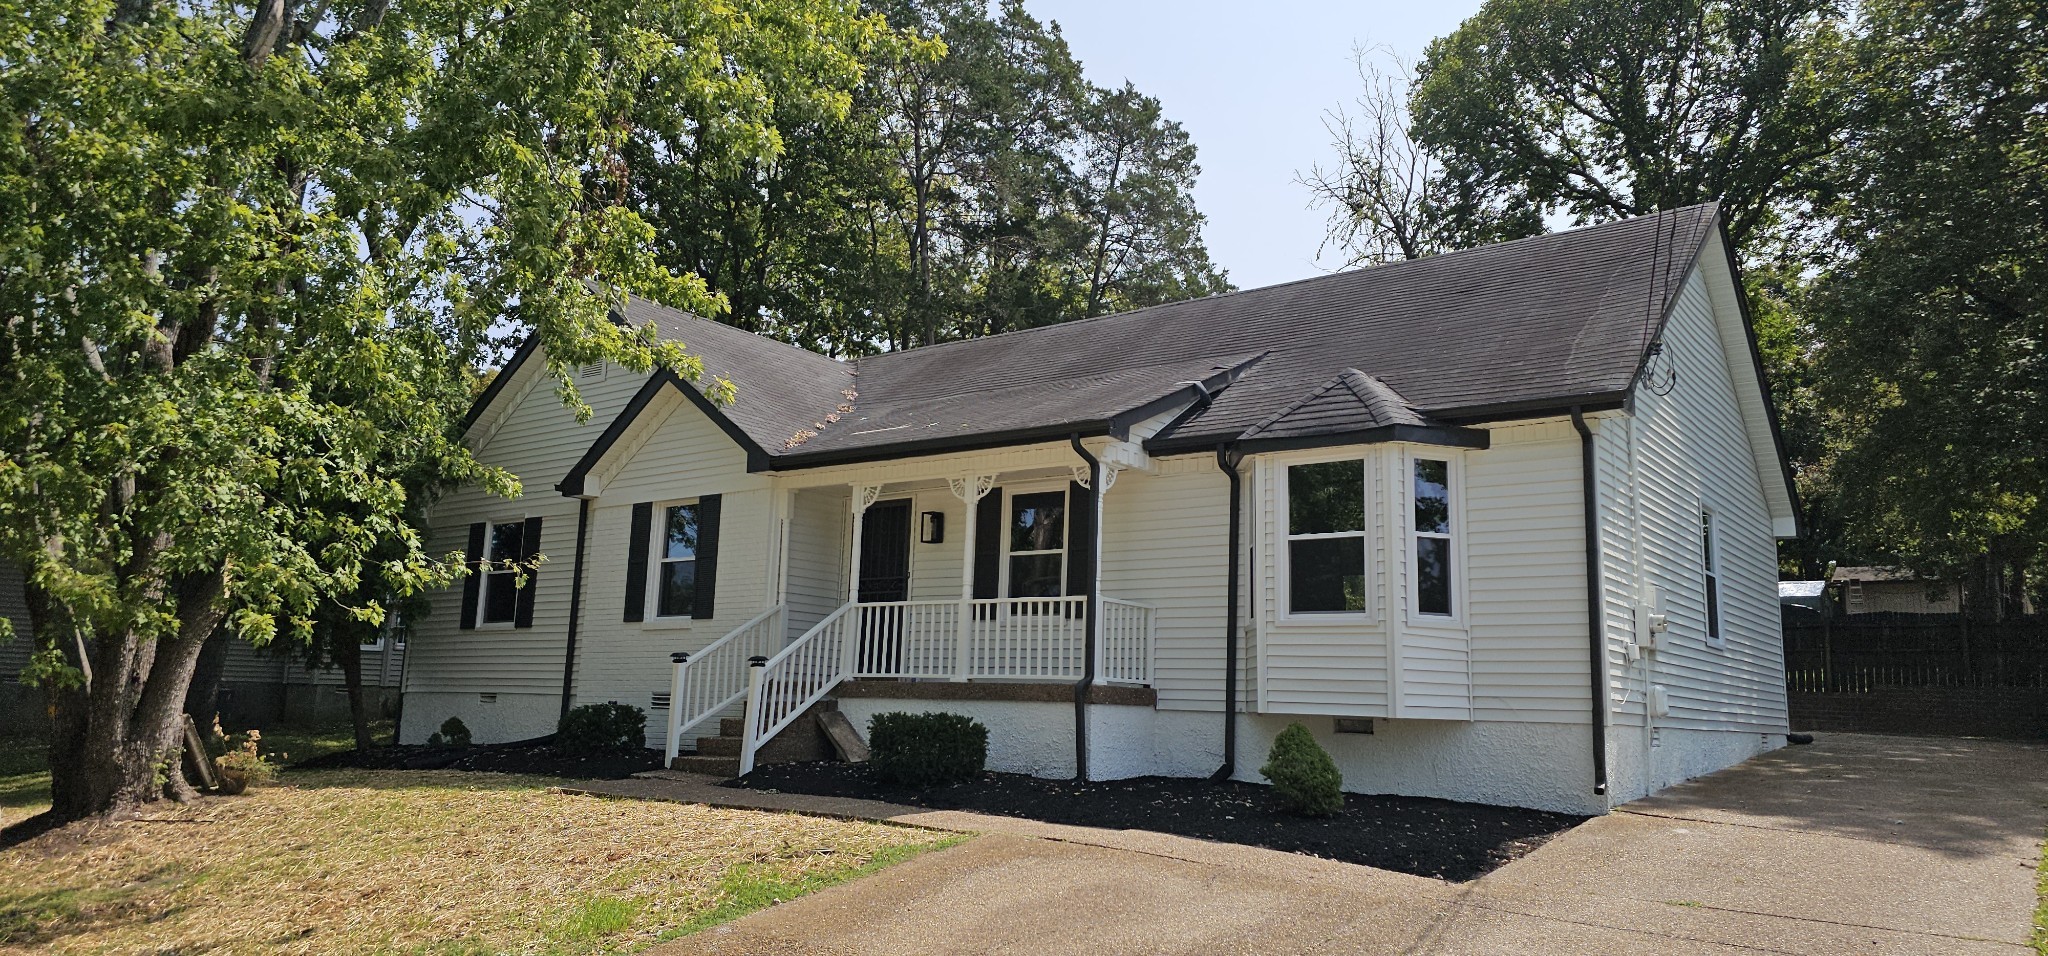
[(926, 750), (1303, 774), (454, 733), (602, 729)]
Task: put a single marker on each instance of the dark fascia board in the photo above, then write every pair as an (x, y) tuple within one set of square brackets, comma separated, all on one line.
[(911, 449), (1756, 358), (572, 484), (497, 386), (1450, 436)]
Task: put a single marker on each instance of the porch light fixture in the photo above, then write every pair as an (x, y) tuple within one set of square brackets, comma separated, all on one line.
[(931, 527)]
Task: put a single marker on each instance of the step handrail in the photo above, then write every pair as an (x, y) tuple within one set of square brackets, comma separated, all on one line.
[(709, 680), (785, 685)]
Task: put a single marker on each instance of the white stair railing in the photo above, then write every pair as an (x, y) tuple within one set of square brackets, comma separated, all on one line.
[(780, 688), (708, 681)]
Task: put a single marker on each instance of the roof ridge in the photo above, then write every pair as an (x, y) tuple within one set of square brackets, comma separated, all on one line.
[(1300, 403)]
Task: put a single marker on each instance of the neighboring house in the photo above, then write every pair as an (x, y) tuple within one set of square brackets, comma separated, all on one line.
[(1881, 590), (257, 687), (1356, 501)]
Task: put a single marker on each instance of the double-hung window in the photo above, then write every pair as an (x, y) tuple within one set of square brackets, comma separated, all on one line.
[(675, 575), (501, 574), (1326, 537), (1037, 544), (1710, 572), (1433, 549)]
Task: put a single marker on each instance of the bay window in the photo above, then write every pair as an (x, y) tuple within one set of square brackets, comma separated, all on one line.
[(1432, 550), (1326, 537)]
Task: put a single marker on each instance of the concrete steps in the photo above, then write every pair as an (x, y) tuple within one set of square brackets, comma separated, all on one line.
[(802, 741)]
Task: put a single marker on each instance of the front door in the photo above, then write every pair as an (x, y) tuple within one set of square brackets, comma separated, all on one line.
[(884, 577)]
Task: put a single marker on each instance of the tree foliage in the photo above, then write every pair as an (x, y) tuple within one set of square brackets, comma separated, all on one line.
[(978, 183), (251, 261), (1601, 109), (1932, 318)]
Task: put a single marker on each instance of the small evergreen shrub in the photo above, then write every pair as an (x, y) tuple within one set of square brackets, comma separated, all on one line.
[(926, 750), (1303, 774), (602, 729), (454, 733)]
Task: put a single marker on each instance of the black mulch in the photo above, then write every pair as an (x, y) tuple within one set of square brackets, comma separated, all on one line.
[(1444, 839), (536, 757)]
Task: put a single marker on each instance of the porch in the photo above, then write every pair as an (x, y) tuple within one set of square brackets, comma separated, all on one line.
[(988, 579)]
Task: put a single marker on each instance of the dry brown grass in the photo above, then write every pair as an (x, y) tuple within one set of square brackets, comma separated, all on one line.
[(364, 861)]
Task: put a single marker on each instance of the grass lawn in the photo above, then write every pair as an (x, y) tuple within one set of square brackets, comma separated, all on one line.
[(410, 862)]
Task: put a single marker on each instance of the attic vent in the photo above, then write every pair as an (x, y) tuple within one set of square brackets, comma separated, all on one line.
[(658, 702), (486, 698), (591, 372)]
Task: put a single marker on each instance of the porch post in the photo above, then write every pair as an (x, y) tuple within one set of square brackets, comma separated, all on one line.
[(862, 497), (969, 489)]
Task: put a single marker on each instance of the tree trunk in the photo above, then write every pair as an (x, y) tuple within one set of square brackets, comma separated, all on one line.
[(348, 655), (118, 739), (203, 700)]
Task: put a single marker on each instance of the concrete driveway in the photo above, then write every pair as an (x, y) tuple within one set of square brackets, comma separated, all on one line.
[(1856, 844)]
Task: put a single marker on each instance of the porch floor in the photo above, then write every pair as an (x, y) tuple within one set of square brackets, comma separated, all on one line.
[(1022, 691)]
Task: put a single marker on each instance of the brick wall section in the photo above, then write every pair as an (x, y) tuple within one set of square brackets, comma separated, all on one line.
[(2005, 712)]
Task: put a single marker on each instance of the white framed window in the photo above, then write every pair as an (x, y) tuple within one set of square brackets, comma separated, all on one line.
[(1035, 544), (1435, 533), (1710, 575), (1326, 550), (499, 603), (674, 568)]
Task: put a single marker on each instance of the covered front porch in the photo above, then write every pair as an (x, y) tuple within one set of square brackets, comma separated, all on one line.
[(924, 572)]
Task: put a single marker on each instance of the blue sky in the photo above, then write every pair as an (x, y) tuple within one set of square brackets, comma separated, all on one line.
[(1250, 82)]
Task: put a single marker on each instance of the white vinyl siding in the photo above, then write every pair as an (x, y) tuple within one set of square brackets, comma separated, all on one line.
[(676, 454), (532, 435), (1693, 451), (1166, 543)]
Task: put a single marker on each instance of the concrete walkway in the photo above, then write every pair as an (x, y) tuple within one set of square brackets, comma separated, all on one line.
[(1857, 844)]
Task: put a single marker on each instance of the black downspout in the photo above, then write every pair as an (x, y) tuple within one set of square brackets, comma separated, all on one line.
[(1088, 638), (576, 604), (1228, 460), (1596, 641)]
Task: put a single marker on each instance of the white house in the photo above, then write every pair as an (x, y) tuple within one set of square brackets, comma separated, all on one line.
[(1144, 543)]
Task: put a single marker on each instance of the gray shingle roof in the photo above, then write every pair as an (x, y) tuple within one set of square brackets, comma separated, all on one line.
[(1534, 324)]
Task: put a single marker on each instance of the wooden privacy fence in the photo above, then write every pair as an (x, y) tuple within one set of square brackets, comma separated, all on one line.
[(1872, 652)]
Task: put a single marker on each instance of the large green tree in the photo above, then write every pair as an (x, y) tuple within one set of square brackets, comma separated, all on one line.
[(1600, 109), (251, 258), (1932, 318), (978, 183)]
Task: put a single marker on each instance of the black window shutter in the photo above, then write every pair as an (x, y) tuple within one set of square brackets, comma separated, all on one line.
[(522, 616), (472, 583), (988, 545), (707, 558), (636, 560), (1080, 540)]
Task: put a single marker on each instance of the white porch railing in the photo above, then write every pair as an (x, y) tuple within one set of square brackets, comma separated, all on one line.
[(1126, 646), (981, 639), (710, 680)]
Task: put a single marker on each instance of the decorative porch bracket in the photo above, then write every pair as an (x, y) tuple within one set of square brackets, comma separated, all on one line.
[(970, 489)]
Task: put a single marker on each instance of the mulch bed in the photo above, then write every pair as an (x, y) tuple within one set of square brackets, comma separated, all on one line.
[(537, 758), (1443, 839)]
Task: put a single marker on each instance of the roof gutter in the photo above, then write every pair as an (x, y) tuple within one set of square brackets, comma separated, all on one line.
[(1093, 612), (1596, 643)]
